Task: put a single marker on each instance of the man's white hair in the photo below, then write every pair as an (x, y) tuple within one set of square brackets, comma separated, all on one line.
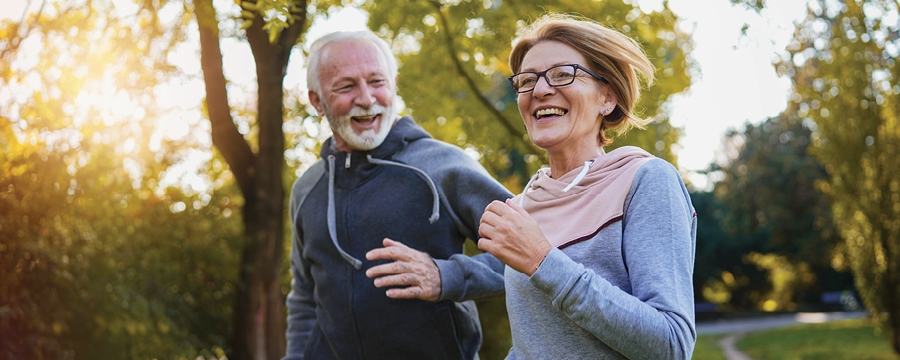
[(315, 55)]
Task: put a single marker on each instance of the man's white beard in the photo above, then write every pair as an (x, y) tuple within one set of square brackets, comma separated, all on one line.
[(369, 139)]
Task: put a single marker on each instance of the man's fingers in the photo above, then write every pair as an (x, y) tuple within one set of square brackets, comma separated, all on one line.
[(389, 252), (414, 292), (390, 268), (387, 242), (405, 293), (407, 286), (393, 250), (396, 280)]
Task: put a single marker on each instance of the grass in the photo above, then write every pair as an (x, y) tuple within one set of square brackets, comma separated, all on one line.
[(845, 339), (707, 349)]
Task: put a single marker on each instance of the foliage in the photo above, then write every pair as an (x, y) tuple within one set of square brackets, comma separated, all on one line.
[(847, 81), (765, 237), (770, 187), (778, 243), (102, 257), (844, 339), (718, 254), (454, 64), (87, 258), (756, 5), (99, 257)]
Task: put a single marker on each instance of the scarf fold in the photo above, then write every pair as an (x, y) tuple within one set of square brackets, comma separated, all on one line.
[(597, 200)]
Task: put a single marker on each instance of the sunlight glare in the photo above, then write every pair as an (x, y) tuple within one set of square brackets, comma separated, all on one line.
[(185, 175), (125, 8)]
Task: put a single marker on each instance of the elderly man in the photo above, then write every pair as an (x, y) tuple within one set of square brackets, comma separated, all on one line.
[(379, 223)]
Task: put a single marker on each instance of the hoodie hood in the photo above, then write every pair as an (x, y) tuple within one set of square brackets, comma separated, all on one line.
[(578, 204)]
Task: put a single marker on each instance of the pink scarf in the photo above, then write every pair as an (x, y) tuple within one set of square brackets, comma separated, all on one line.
[(593, 203)]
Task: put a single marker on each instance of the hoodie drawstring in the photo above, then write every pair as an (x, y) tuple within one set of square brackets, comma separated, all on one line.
[(332, 228), (435, 205), (584, 170), (528, 186), (581, 175)]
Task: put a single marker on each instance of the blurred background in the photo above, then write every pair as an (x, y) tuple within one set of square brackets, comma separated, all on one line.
[(147, 148)]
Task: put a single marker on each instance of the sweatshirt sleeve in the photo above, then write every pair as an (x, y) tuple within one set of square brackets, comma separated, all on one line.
[(470, 277), (301, 307), (468, 189), (656, 321)]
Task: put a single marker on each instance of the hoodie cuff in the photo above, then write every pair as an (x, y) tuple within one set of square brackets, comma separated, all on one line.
[(452, 280), (554, 276)]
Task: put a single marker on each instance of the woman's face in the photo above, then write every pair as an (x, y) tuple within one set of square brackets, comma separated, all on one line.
[(565, 118)]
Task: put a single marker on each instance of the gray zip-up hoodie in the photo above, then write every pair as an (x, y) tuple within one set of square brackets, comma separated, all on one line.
[(413, 189)]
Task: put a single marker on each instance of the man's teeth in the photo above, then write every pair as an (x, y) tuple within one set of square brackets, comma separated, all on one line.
[(547, 112), (364, 118)]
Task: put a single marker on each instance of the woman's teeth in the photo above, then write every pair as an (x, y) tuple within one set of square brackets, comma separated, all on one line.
[(549, 112)]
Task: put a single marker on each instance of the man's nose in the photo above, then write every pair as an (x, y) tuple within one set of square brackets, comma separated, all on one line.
[(366, 97)]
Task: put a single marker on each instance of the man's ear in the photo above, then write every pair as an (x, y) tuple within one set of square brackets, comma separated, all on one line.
[(316, 102)]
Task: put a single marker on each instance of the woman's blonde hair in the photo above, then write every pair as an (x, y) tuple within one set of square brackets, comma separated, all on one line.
[(609, 53)]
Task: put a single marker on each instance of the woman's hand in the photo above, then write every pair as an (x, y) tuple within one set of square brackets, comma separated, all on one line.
[(511, 234)]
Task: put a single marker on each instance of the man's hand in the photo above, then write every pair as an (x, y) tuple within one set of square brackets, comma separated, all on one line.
[(411, 268)]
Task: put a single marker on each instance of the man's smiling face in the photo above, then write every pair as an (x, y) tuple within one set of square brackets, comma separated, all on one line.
[(357, 94)]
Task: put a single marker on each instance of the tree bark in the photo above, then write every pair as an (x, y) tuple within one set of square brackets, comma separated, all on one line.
[(259, 318)]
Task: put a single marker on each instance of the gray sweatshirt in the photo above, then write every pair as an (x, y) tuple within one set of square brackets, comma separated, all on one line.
[(626, 292)]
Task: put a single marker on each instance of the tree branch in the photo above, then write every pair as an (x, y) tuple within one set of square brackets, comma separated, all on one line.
[(225, 135), (290, 35), (448, 41)]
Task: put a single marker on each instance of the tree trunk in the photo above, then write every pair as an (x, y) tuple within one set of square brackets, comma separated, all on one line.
[(259, 318)]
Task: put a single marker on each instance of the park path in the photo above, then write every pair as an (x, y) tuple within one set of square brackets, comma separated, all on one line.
[(734, 329)]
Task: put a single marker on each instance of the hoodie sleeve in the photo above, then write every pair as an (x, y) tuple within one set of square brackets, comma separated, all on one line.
[(301, 307), (468, 189), (468, 278)]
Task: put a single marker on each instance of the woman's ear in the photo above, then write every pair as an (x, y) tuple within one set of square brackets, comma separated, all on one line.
[(610, 100)]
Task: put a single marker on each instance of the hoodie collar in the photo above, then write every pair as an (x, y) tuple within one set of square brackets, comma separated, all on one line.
[(404, 131), (578, 204)]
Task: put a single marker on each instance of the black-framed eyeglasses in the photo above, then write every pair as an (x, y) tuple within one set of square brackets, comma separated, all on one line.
[(559, 75)]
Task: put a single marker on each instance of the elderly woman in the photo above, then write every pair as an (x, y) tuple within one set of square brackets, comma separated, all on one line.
[(599, 247)]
